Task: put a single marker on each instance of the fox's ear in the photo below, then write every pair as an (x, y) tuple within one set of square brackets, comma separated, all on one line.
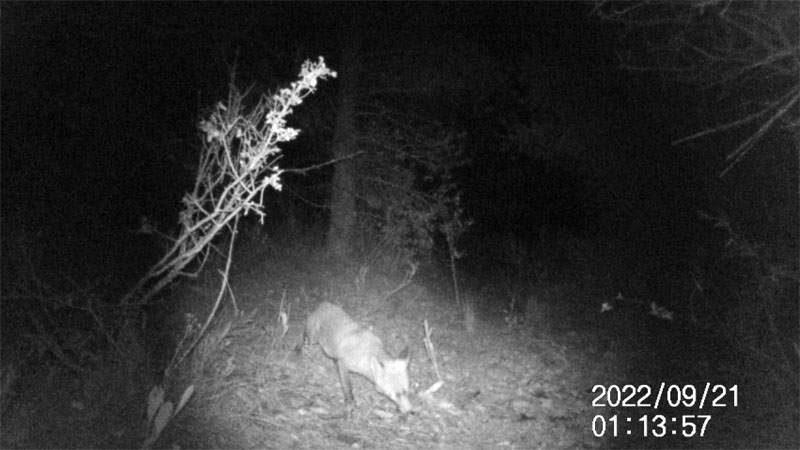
[(404, 354)]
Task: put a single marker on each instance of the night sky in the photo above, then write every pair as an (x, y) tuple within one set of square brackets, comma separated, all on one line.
[(100, 103)]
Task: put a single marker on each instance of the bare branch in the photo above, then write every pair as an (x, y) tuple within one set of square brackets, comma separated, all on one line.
[(305, 170), (740, 151), (749, 50), (727, 126)]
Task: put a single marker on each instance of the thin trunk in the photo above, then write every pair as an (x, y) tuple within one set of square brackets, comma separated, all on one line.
[(344, 142)]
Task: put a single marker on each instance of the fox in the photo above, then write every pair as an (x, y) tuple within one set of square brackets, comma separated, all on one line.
[(356, 349)]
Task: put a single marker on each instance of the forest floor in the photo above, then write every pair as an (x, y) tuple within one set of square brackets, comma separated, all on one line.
[(552, 378)]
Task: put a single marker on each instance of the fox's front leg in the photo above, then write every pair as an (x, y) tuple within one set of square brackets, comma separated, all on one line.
[(298, 350)]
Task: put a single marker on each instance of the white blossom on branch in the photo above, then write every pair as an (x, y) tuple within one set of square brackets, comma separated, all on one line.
[(238, 161)]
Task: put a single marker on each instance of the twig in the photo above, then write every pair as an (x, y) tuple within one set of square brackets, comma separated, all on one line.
[(217, 302), (742, 149), (430, 349), (53, 346), (305, 170), (406, 281)]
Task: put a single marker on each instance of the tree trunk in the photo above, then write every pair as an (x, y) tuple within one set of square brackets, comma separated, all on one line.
[(344, 142)]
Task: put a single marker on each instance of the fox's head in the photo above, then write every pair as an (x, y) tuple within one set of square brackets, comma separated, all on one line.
[(391, 379)]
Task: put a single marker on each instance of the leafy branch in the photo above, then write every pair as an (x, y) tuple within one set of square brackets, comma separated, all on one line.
[(238, 162)]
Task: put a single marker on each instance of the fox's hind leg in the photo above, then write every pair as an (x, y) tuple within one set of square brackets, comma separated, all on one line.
[(347, 388)]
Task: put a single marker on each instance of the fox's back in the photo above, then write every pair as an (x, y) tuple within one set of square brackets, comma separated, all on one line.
[(340, 337)]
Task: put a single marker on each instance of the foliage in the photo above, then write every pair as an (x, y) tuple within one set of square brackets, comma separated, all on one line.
[(159, 412), (405, 185)]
